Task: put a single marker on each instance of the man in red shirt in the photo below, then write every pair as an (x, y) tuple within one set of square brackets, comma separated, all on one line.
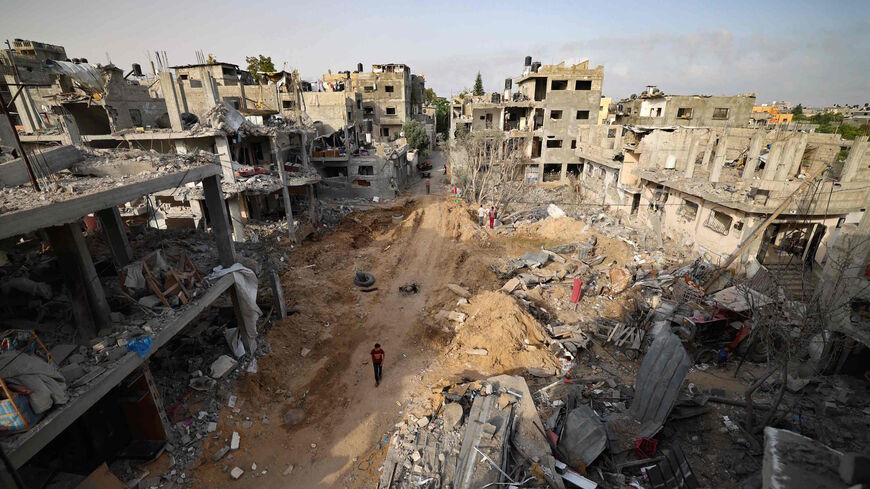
[(377, 361)]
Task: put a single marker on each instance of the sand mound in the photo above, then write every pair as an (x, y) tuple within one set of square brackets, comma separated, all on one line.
[(512, 338), (563, 229)]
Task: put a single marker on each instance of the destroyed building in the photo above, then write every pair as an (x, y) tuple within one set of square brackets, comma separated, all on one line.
[(541, 116), (653, 108), (710, 188)]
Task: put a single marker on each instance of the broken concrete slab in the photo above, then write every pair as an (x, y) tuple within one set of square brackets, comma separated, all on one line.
[(221, 366), (452, 415), (459, 290), (793, 461), (455, 316), (236, 472), (235, 441), (14, 173), (534, 259)]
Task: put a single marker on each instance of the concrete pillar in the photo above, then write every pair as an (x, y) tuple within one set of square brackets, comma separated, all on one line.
[(752, 157), (91, 311), (312, 205), (237, 219), (116, 236), (798, 155), (564, 173), (167, 88), (853, 161), (617, 144), (220, 224), (71, 134), (25, 107), (222, 144), (708, 151), (785, 162), (772, 160), (692, 156), (719, 160), (180, 147), (209, 88)]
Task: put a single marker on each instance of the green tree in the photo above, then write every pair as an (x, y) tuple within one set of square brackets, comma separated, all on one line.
[(478, 85), (430, 96), (416, 136), (259, 64), (798, 110), (442, 115)]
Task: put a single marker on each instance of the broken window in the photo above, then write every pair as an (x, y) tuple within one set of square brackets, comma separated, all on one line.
[(555, 114), (287, 104), (365, 170), (391, 111), (185, 76), (234, 101), (369, 89), (611, 133), (573, 144), (582, 114), (136, 117), (368, 110), (554, 143), (684, 113), (385, 132), (689, 210), (720, 114), (719, 222), (559, 85), (388, 88), (228, 71), (583, 85)]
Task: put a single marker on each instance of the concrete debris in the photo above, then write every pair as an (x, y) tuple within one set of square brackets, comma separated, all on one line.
[(221, 366), (236, 472), (455, 316), (555, 212), (583, 436), (459, 290), (235, 440)]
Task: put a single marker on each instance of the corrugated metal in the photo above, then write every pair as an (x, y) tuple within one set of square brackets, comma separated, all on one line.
[(658, 382), (584, 437)]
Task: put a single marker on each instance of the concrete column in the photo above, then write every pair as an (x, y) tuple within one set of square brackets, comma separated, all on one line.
[(785, 162), (220, 224), (617, 144), (564, 173), (237, 219), (116, 236), (91, 311), (312, 205), (167, 88), (71, 134), (209, 88), (752, 157), (222, 144), (180, 147), (719, 160), (692, 156), (853, 161), (798, 155), (26, 107), (772, 160), (708, 151)]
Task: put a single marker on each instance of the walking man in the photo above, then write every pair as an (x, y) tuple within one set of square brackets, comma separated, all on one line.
[(491, 217), (481, 214), (427, 186), (377, 362)]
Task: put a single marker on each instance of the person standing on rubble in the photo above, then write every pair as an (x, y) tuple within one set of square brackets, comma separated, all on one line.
[(481, 214), (491, 217), (377, 362)]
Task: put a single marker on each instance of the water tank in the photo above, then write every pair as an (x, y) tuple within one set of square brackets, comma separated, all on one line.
[(528, 61), (84, 60), (76, 60), (496, 98), (508, 83), (359, 67), (535, 66), (137, 70)]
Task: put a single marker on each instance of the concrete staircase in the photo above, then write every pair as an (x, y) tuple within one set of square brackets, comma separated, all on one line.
[(798, 284)]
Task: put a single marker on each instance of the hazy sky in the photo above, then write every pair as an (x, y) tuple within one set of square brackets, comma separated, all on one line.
[(810, 52)]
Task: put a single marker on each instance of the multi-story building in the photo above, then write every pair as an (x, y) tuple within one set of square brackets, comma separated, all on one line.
[(543, 115), (653, 108), (391, 95), (769, 115)]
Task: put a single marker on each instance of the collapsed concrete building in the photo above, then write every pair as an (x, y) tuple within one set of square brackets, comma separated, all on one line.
[(654, 108), (542, 116), (711, 188)]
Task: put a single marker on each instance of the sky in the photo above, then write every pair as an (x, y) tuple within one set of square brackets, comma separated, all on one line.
[(814, 53)]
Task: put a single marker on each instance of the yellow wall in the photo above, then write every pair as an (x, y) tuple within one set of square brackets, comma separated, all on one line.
[(602, 111)]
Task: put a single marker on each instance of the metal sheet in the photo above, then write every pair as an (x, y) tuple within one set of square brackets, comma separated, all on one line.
[(658, 381), (584, 437)]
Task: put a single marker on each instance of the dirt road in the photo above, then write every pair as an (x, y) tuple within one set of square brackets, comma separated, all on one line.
[(339, 415)]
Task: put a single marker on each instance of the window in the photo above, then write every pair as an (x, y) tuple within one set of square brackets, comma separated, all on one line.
[(359, 104), (234, 101), (684, 113), (365, 170), (369, 89), (720, 114), (388, 88), (368, 110), (719, 222), (555, 114), (228, 71), (583, 85), (136, 116), (582, 114), (659, 112), (689, 210), (287, 104), (554, 143), (573, 144), (483, 117), (385, 132), (559, 85), (611, 133), (391, 111), (185, 76)]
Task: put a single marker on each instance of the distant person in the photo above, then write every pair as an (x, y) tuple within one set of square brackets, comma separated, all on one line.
[(427, 186), (377, 362), (481, 214), (491, 217)]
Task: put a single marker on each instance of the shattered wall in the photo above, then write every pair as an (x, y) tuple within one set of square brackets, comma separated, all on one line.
[(687, 110), (129, 104)]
